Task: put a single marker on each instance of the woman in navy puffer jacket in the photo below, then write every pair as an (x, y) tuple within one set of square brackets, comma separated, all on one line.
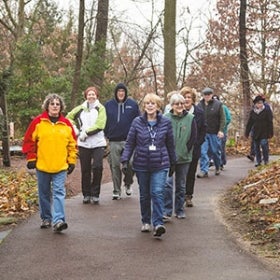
[(150, 140)]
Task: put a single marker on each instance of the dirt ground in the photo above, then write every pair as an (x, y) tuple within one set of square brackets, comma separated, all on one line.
[(73, 184)]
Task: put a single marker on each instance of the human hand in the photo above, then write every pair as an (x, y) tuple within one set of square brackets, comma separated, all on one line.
[(171, 170), (124, 167), (220, 134), (71, 168), (83, 136), (31, 164)]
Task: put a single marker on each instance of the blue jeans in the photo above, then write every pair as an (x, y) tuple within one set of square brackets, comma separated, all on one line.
[(51, 187), (151, 188), (258, 145), (212, 146), (181, 171)]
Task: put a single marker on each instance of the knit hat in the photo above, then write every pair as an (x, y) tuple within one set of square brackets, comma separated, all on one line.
[(91, 89), (258, 98), (207, 91)]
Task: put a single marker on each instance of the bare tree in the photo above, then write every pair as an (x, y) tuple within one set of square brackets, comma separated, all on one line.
[(244, 69), (79, 55), (169, 34)]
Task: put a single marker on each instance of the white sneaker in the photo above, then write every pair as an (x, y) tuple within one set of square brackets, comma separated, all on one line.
[(146, 228), (116, 196)]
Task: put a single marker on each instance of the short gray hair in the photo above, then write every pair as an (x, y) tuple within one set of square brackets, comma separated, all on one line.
[(49, 98), (176, 97)]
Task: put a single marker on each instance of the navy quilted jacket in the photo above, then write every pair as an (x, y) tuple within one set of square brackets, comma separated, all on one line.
[(139, 140)]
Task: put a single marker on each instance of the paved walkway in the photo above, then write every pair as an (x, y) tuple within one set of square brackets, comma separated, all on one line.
[(104, 242)]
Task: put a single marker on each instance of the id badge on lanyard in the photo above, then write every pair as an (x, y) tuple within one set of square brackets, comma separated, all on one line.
[(153, 133)]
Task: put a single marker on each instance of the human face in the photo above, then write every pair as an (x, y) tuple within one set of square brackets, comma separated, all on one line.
[(178, 107), (121, 94), (207, 97), (150, 108), (91, 96), (54, 108), (188, 101), (259, 104)]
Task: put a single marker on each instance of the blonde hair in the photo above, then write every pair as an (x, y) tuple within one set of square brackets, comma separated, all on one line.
[(152, 97), (189, 90)]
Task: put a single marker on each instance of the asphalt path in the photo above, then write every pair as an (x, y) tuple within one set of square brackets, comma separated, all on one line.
[(105, 242)]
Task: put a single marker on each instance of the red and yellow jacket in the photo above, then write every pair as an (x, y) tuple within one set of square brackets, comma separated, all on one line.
[(52, 145)]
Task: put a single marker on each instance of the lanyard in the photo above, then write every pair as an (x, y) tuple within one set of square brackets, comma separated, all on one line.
[(152, 133)]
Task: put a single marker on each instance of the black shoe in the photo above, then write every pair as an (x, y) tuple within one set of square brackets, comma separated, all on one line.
[(60, 226), (45, 224), (250, 157), (159, 231)]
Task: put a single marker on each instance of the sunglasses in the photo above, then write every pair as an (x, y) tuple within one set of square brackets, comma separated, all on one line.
[(55, 104)]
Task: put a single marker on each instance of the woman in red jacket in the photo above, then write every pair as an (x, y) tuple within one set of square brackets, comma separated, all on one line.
[(50, 147)]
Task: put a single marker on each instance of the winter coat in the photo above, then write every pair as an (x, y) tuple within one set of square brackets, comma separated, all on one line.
[(185, 133), (139, 141), (90, 119), (120, 116), (51, 145), (261, 123), (214, 115)]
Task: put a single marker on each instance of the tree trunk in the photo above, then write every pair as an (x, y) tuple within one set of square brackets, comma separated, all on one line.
[(79, 56), (169, 46), (100, 39), (244, 63)]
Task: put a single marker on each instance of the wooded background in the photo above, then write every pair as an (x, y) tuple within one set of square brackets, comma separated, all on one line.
[(44, 49)]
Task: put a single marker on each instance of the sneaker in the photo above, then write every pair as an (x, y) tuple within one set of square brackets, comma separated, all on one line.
[(188, 201), (257, 164), (222, 167), (116, 196), (217, 172), (166, 218), (94, 200), (202, 175), (45, 224), (60, 226), (86, 199), (180, 216), (211, 163), (159, 230), (128, 190), (146, 228)]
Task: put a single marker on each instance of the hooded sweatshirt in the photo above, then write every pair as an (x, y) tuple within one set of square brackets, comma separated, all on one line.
[(120, 115)]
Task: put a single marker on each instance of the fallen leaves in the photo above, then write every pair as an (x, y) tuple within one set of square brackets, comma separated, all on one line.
[(256, 205), (18, 194)]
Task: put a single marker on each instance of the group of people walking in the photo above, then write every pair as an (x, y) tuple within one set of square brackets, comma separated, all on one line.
[(161, 149)]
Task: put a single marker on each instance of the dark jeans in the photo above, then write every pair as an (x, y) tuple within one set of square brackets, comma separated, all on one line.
[(258, 145), (191, 176), (91, 161)]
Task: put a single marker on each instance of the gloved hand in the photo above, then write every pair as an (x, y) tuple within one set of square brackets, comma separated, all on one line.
[(71, 168), (31, 164), (171, 170), (83, 136), (124, 167)]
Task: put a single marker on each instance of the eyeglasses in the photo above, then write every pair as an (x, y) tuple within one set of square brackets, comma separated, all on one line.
[(179, 103), (55, 104)]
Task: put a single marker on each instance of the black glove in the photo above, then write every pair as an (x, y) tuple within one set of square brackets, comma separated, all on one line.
[(124, 167), (171, 170), (70, 169), (31, 164)]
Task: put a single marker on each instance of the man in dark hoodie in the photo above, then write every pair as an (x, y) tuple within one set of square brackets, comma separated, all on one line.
[(121, 111)]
